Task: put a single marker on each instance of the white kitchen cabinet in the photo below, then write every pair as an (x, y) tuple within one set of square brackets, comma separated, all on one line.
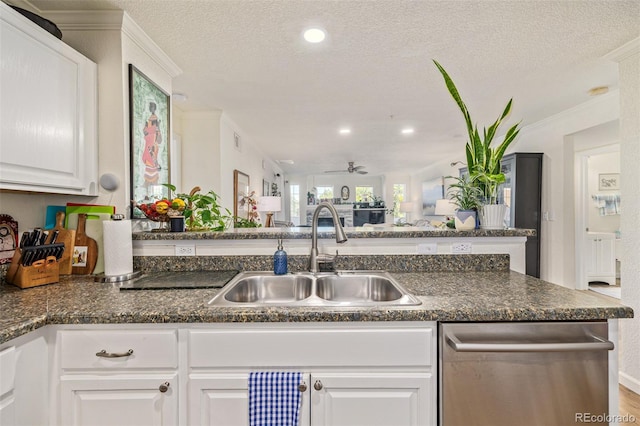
[(601, 262), (48, 111), (119, 399), (360, 374), (24, 380), (118, 376)]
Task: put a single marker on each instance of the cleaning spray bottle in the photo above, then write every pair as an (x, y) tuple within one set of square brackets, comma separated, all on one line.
[(280, 260)]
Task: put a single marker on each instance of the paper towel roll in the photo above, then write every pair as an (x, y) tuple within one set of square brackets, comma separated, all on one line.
[(118, 247)]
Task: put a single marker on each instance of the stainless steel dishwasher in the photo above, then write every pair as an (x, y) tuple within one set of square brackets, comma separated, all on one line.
[(551, 373)]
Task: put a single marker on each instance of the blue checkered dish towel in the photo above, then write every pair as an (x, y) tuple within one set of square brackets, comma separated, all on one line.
[(274, 398)]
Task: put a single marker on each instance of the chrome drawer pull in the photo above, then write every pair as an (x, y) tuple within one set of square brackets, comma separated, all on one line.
[(317, 385), (104, 354), (302, 387), (164, 387)]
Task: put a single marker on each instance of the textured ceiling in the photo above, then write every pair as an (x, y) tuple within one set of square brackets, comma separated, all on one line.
[(374, 72)]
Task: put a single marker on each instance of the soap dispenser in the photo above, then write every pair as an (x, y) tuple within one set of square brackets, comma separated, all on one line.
[(280, 260)]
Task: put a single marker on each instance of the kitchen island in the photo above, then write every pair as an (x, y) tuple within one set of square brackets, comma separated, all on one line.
[(82, 349)]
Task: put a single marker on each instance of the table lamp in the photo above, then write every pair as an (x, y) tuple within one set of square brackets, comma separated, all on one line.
[(445, 207), (270, 205), (406, 208)]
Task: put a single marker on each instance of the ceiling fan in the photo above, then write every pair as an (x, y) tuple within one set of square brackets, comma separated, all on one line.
[(350, 169)]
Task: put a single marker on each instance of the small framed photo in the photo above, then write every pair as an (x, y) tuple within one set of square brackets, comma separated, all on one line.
[(608, 181)]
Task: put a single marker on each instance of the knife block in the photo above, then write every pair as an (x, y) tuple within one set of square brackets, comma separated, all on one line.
[(42, 272)]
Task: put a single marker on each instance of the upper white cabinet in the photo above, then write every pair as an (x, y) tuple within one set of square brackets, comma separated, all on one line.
[(48, 111)]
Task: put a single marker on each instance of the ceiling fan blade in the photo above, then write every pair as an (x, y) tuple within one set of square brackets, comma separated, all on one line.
[(335, 171), (356, 168), (362, 172)]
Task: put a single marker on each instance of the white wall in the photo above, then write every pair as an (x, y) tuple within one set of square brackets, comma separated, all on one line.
[(201, 165)]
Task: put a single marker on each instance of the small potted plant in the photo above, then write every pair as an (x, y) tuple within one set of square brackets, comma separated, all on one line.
[(467, 196)]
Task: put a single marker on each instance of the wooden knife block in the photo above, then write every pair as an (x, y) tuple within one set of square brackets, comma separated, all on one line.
[(34, 275)]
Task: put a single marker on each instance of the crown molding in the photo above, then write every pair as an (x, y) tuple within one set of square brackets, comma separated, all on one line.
[(114, 20), (625, 51)]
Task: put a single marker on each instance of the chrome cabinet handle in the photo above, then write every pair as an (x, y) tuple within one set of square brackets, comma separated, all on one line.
[(164, 387), (104, 354), (317, 385), (302, 387)]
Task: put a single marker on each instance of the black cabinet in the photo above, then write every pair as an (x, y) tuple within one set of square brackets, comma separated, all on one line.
[(522, 193)]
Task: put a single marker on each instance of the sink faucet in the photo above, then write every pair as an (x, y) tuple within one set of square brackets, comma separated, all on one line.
[(315, 259)]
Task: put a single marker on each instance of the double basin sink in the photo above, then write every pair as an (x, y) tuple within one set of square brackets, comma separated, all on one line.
[(345, 288)]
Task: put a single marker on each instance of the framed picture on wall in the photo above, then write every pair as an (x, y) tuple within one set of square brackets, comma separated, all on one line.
[(432, 190), (240, 190), (608, 181), (149, 132)]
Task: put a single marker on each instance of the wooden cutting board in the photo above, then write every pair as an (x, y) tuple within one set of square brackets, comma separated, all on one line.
[(68, 237), (85, 252)]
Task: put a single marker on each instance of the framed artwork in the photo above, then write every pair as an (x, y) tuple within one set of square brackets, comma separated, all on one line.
[(608, 181), (344, 192), (432, 190), (240, 189), (149, 126), (266, 188)]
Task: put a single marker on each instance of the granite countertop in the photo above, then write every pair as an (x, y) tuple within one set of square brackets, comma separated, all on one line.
[(375, 231), (445, 296)]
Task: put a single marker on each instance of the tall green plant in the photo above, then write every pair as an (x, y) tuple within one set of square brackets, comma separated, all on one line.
[(483, 160)]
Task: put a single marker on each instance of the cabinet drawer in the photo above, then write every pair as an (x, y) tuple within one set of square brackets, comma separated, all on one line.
[(151, 349), (291, 348)]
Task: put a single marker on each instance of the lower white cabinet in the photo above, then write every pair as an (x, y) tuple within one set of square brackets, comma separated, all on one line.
[(601, 261), (24, 384), (355, 374), (119, 399), (117, 376)]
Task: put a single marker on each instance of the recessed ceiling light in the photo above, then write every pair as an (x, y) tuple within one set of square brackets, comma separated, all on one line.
[(345, 131), (314, 35), (407, 131), (598, 91)]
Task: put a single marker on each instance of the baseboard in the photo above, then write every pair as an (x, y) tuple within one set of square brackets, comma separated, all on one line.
[(629, 382)]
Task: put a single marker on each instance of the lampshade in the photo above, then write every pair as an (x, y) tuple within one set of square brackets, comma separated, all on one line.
[(445, 207), (406, 207), (269, 204)]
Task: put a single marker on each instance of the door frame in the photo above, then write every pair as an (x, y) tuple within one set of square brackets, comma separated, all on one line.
[(581, 205)]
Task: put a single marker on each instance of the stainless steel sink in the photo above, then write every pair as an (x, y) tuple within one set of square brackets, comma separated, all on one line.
[(275, 289), (345, 288)]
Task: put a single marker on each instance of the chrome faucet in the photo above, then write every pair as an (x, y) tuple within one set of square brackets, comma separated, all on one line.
[(315, 259)]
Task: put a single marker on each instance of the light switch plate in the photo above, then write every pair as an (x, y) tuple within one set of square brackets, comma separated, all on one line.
[(428, 248)]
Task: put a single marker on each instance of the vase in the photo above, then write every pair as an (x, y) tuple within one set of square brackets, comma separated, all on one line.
[(492, 216), (465, 220)]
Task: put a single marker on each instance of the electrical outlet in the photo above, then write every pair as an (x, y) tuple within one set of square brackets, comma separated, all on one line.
[(427, 248), (461, 248), (185, 250)]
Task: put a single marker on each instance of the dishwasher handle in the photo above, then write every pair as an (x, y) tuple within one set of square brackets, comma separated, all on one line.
[(596, 344)]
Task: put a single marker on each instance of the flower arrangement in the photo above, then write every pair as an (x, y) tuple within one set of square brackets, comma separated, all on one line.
[(253, 217)]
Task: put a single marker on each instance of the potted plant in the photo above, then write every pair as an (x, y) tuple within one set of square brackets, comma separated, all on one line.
[(467, 196), (483, 160), (202, 212)]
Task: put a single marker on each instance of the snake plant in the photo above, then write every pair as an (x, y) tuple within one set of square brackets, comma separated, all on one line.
[(483, 160)]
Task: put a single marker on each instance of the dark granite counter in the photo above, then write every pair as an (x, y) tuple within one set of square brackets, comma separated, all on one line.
[(446, 296), (356, 232)]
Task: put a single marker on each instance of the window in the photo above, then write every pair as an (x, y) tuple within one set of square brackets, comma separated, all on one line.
[(364, 193), (399, 196), (294, 204), (325, 192)]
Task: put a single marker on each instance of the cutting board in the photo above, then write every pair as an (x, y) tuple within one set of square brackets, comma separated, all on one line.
[(93, 229), (85, 252), (68, 237)]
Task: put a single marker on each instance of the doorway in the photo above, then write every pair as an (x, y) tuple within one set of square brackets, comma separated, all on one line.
[(598, 220)]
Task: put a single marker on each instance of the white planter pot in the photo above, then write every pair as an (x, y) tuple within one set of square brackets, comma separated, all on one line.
[(492, 216), (465, 220)]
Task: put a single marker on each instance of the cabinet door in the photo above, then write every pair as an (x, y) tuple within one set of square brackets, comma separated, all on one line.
[(389, 399), (124, 400), (592, 255), (606, 255), (223, 400), (48, 136)]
